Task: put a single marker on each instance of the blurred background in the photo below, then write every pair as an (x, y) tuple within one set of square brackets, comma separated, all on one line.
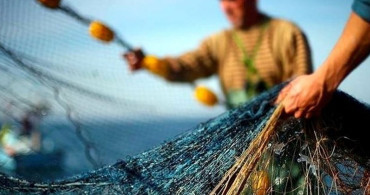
[(87, 108)]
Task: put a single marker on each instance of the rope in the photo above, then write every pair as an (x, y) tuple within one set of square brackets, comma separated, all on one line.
[(235, 179)]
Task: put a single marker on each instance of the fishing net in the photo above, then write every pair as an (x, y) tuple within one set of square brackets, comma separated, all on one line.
[(78, 91), (253, 149), (325, 155)]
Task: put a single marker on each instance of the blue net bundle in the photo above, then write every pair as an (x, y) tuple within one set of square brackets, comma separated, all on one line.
[(329, 153)]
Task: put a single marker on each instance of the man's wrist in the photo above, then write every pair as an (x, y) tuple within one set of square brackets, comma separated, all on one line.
[(328, 79)]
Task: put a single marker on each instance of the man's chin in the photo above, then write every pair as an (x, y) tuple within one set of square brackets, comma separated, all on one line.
[(235, 24)]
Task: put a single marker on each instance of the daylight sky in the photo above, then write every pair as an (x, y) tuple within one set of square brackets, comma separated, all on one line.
[(171, 27)]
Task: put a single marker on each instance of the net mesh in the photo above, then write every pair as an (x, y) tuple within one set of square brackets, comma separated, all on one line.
[(326, 155), (86, 101)]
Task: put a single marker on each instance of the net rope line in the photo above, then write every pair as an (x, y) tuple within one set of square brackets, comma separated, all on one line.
[(86, 21), (234, 180)]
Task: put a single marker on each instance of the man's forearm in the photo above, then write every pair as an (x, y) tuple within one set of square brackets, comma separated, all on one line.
[(351, 49)]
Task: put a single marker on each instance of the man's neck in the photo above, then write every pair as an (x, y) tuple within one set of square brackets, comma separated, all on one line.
[(252, 19)]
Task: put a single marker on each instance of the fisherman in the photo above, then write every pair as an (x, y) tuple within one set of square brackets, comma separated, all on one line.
[(256, 53), (30, 131)]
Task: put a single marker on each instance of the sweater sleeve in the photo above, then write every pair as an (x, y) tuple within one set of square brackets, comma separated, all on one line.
[(362, 8), (199, 63)]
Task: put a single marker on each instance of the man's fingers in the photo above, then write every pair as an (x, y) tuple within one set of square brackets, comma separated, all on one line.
[(308, 115), (287, 107), (290, 103), (299, 114), (282, 94), (280, 97)]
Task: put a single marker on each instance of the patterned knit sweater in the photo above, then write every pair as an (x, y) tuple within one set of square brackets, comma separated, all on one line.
[(283, 53)]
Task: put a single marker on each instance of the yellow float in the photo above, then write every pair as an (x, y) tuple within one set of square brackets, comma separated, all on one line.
[(205, 96), (100, 31), (155, 65), (260, 183), (50, 3)]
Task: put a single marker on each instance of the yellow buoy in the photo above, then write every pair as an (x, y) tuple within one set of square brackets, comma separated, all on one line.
[(50, 3), (101, 32), (260, 183), (155, 65), (205, 96)]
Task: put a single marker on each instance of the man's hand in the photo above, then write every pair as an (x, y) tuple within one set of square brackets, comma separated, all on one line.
[(305, 96), (134, 59)]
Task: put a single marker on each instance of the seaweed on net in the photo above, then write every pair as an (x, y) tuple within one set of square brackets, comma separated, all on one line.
[(324, 155)]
